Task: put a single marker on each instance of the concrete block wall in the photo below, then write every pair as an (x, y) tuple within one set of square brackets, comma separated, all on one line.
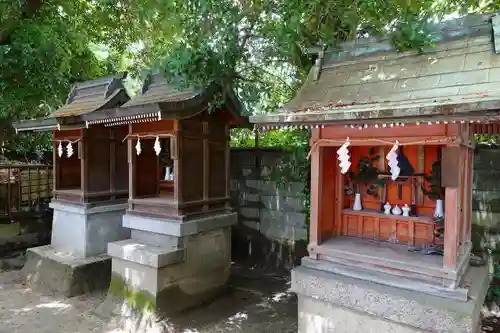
[(271, 228), (486, 188), (486, 199)]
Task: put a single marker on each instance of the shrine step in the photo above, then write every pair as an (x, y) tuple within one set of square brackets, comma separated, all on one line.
[(386, 278), (145, 254)]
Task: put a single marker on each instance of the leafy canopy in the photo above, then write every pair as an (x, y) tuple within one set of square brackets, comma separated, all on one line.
[(257, 46)]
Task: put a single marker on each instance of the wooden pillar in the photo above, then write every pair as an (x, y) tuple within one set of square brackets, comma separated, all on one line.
[(228, 164), (131, 167), (55, 168), (452, 165), (176, 156), (112, 161), (468, 195), (315, 196), (206, 164), (84, 164)]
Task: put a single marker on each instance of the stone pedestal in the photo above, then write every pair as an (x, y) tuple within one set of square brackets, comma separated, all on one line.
[(330, 302), (167, 266), (76, 262)]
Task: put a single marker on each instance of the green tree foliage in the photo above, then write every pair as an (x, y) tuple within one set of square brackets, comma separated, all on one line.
[(257, 46), (44, 47)]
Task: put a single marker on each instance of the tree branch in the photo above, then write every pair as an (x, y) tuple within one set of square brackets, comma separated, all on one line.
[(248, 34), (27, 10), (253, 67)]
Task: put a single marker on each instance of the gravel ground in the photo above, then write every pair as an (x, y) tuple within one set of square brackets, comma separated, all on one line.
[(251, 305)]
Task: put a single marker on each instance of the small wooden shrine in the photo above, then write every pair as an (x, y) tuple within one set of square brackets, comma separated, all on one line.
[(90, 189), (178, 149), (391, 177), (178, 207), (89, 162)]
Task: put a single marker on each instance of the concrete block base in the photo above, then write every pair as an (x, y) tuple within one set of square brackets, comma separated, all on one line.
[(86, 232), (163, 274), (53, 272), (330, 302)]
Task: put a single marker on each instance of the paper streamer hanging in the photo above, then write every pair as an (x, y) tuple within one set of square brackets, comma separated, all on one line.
[(157, 146), (138, 148), (60, 149), (392, 158), (69, 149), (343, 157)]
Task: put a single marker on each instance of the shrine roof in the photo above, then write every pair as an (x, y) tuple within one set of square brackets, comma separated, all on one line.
[(83, 98), (160, 98), (367, 79)]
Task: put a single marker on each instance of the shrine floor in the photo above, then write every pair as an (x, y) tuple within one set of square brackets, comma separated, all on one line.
[(257, 301)]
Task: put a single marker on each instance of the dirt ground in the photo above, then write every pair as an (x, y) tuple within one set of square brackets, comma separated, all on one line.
[(256, 302)]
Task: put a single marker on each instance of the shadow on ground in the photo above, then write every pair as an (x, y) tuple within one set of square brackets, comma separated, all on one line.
[(256, 301)]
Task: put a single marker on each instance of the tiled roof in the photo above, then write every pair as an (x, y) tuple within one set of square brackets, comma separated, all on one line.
[(91, 95), (156, 89), (361, 83), (160, 98), (84, 98)]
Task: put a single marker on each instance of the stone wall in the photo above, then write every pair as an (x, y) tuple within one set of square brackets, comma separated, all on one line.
[(486, 188), (271, 228), (486, 200)]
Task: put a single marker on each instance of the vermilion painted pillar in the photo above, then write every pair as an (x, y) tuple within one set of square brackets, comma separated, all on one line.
[(452, 218), (315, 198)]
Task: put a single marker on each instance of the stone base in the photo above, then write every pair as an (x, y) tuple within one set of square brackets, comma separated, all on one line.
[(86, 232), (156, 272), (331, 302), (49, 271)]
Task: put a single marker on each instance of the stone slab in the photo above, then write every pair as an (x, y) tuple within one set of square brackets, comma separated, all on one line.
[(145, 254), (86, 232), (402, 307), (50, 271), (175, 228), (98, 208), (172, 288), (322, 317), (151, 238), (392, 280)]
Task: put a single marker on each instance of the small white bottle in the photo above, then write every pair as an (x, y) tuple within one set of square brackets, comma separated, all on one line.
[(387, 208), (406, 210)]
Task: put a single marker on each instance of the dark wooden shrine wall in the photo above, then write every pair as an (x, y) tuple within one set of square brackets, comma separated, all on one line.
[(69, 170), (106, 158), (146, 170), (203, 157), (97, 155), (121, 160), (218, 156), (191, 159)]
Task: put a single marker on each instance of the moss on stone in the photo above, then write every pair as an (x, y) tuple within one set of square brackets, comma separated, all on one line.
[(137, 299)]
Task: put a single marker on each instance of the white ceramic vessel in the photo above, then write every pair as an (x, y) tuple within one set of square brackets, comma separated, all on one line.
[(396, 210), (357, 202)]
